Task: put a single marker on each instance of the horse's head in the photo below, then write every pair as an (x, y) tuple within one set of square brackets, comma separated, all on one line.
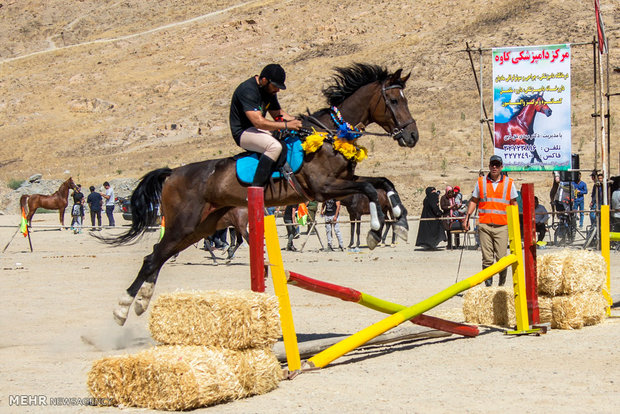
[(541, 106), (71, 184), (392, 112)]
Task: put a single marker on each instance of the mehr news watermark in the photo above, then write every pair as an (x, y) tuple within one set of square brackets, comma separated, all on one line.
[(43, 400)]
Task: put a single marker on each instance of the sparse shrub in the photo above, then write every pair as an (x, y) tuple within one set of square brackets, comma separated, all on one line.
[(14, 184)]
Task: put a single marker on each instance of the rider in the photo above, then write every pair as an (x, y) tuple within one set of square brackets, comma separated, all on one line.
[(251, 130)]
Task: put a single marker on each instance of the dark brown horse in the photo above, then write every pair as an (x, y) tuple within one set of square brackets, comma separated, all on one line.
[(194, 197), (237, 219), (358, 205), (57, 201)]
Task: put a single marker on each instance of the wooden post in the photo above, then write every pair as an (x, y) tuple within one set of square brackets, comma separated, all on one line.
[(529, 247), (256, 216)]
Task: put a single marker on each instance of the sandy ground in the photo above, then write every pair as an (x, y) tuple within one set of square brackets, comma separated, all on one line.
[(57, 319)]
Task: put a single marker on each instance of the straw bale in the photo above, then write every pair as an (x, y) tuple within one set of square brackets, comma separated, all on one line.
[(577, 310), (545, 304), (570, 271), (230, 319), (489, 306), (184, 377), (549, 272)]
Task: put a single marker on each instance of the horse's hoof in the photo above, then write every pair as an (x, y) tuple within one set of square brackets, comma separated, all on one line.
[(373, 240), (120, 315), (143, 298), (401, 232)]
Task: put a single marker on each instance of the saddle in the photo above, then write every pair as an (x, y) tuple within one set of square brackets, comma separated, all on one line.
[(292, 154)]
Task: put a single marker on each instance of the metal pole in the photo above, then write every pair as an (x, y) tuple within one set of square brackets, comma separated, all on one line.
[(482, 112), (595, 90)]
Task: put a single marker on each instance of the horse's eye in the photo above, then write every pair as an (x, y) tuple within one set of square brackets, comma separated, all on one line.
[(393, 101)]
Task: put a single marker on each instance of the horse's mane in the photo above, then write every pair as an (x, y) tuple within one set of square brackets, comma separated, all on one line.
[(348, 80), (525, 98)]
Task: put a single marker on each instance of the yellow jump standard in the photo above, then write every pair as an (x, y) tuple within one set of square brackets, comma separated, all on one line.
[(281, 290)]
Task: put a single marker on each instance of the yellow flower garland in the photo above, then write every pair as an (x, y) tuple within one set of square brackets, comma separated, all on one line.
[(350, 150)]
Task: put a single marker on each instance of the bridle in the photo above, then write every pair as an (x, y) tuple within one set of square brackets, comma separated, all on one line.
[(397, 132)]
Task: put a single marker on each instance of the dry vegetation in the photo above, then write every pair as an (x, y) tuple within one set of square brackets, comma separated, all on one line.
[(103, 108)]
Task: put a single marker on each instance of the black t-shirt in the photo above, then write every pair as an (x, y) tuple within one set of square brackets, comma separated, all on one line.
[(94, 201), (330, 208), (77, 197), (249, 97)]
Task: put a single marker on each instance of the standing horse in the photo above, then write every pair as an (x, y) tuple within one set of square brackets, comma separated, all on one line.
[(57, 201), (195, 196), (518, 130), (357, 205)]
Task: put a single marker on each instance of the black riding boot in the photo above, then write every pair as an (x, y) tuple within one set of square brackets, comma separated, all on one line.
[(263, 171)]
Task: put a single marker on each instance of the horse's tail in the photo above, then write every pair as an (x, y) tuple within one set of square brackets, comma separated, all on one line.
[(23, 202), (144, 201)]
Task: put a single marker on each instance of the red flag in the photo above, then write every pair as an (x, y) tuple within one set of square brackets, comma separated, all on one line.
[(600, 28)]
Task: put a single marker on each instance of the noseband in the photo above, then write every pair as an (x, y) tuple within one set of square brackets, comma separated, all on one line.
[(397, 133)]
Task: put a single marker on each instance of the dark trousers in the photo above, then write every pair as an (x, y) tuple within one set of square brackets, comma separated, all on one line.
[(96, 214), (109, 210), (541, 230)]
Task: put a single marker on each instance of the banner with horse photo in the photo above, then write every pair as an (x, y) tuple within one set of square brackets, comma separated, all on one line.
[(531, 107)]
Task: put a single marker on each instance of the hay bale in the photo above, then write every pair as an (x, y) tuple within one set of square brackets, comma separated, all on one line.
[(549, 272), (230, 319), (545, 305), (578, 310), (184, 377), (570, 271), (489, 306)]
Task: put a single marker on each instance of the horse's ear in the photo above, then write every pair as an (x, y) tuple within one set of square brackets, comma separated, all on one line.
[(404, 79), (395, 77)]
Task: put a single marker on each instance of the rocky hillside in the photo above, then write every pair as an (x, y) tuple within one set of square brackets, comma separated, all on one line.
[(103, 89)]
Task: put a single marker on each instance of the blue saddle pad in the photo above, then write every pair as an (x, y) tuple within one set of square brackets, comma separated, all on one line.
[(246, 164)]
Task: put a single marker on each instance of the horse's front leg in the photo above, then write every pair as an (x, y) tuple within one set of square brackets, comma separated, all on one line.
[(340, 188), (401, 227)]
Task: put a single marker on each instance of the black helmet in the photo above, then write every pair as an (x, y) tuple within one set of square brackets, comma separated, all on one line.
[(274, 74)]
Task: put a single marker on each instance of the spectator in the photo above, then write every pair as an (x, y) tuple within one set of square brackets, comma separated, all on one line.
[(580, 190), (597, 198), (492, 195), (109, 203), (94, 201), (450, 209), (312, 208), (430, 232), (615, 205), (289, 219), (331, 211), (77, 212), (540, 218)]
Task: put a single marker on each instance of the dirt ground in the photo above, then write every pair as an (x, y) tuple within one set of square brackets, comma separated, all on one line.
[(57, 320)]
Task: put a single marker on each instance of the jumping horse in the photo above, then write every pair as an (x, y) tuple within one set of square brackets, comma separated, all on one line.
[(195, 196), (57, 201), (521, 125)]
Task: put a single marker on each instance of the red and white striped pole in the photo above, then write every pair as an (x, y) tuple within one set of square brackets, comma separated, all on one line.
[(529, 251), (256, 216)]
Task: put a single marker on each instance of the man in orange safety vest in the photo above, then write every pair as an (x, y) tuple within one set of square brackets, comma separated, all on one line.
[(492, 195)]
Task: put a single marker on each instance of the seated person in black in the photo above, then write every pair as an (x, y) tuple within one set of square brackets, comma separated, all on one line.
[(251, 130)]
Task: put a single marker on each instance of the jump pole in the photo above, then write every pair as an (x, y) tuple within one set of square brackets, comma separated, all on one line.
[(358, 339), (256, 216), (529, 247), (515, 259), (352, 295), (279, 285)]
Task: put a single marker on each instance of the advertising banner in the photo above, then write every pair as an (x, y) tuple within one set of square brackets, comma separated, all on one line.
[(531, 107)]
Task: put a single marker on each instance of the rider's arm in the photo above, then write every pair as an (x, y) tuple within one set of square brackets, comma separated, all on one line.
[(260, 122)]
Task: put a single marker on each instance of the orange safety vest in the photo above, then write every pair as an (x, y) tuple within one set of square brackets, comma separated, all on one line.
[(493, 203)]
